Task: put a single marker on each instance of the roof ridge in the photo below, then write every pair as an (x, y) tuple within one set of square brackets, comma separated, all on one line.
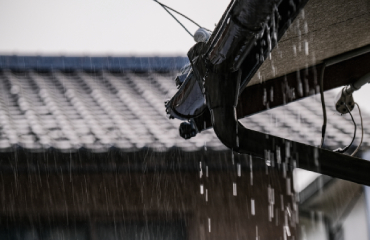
[(141, 64)]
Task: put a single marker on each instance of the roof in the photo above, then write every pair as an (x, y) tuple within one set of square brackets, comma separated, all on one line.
[(302, 120), (93, 63), (102, 106)]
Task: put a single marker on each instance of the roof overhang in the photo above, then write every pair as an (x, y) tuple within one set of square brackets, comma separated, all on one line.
[(338, 35)]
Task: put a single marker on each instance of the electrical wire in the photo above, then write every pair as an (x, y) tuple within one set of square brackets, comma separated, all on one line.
[(340, 150), (165, 7), (362, 131), (323, 129), (178, 21)]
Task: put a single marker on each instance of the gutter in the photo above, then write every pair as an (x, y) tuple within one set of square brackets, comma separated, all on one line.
[(217, 68)]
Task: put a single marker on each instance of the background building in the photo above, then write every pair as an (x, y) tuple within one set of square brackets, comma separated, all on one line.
[(88, 153)]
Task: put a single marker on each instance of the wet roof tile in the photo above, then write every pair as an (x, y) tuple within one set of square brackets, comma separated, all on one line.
[(97, 110)]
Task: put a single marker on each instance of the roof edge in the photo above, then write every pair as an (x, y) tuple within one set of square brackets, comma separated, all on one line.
[(141, 64)]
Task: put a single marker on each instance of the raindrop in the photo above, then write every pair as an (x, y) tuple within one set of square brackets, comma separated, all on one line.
[(209, 225), (201, 189), (232, 156), (271, 195), (271, 198), (253, 211), (287, 149), (287, 230), (267, 158), (306, 47), (305, 27), (278, 155), (273, 69), (262, 58), (316, 157), (200, 171), (286, 219), (234, 189), (288, 212), (299, 84), (239, 171), (295, 50), (271, 212), (269, 43), (206, 195), (273, 24), (251, 168), (271, 94)]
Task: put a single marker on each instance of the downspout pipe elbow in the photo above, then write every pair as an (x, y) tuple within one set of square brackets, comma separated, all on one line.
[(225, 125), (222, 91), (234, 135)]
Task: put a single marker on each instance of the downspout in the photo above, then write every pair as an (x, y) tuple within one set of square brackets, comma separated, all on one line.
[(222, 97), (220, 64)]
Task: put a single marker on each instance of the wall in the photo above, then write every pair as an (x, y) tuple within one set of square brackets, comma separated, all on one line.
[(219, 212)]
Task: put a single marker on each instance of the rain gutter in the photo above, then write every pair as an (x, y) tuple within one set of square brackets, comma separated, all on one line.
[(223, 80)]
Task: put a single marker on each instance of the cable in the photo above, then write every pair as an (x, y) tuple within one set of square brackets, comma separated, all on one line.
[(340, 150), (177, 20), (362, 131), (323, 129), (180, 14), (165, 7)]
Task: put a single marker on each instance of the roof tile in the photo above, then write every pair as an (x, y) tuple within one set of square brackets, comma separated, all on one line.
[(97, 110)]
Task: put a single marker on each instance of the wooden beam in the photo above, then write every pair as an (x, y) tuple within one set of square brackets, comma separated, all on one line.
[(282, 153)]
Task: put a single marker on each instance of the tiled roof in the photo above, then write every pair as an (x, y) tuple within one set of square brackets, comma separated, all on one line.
[(122, 108), (93, 63), (91, 110), (302, 121)]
